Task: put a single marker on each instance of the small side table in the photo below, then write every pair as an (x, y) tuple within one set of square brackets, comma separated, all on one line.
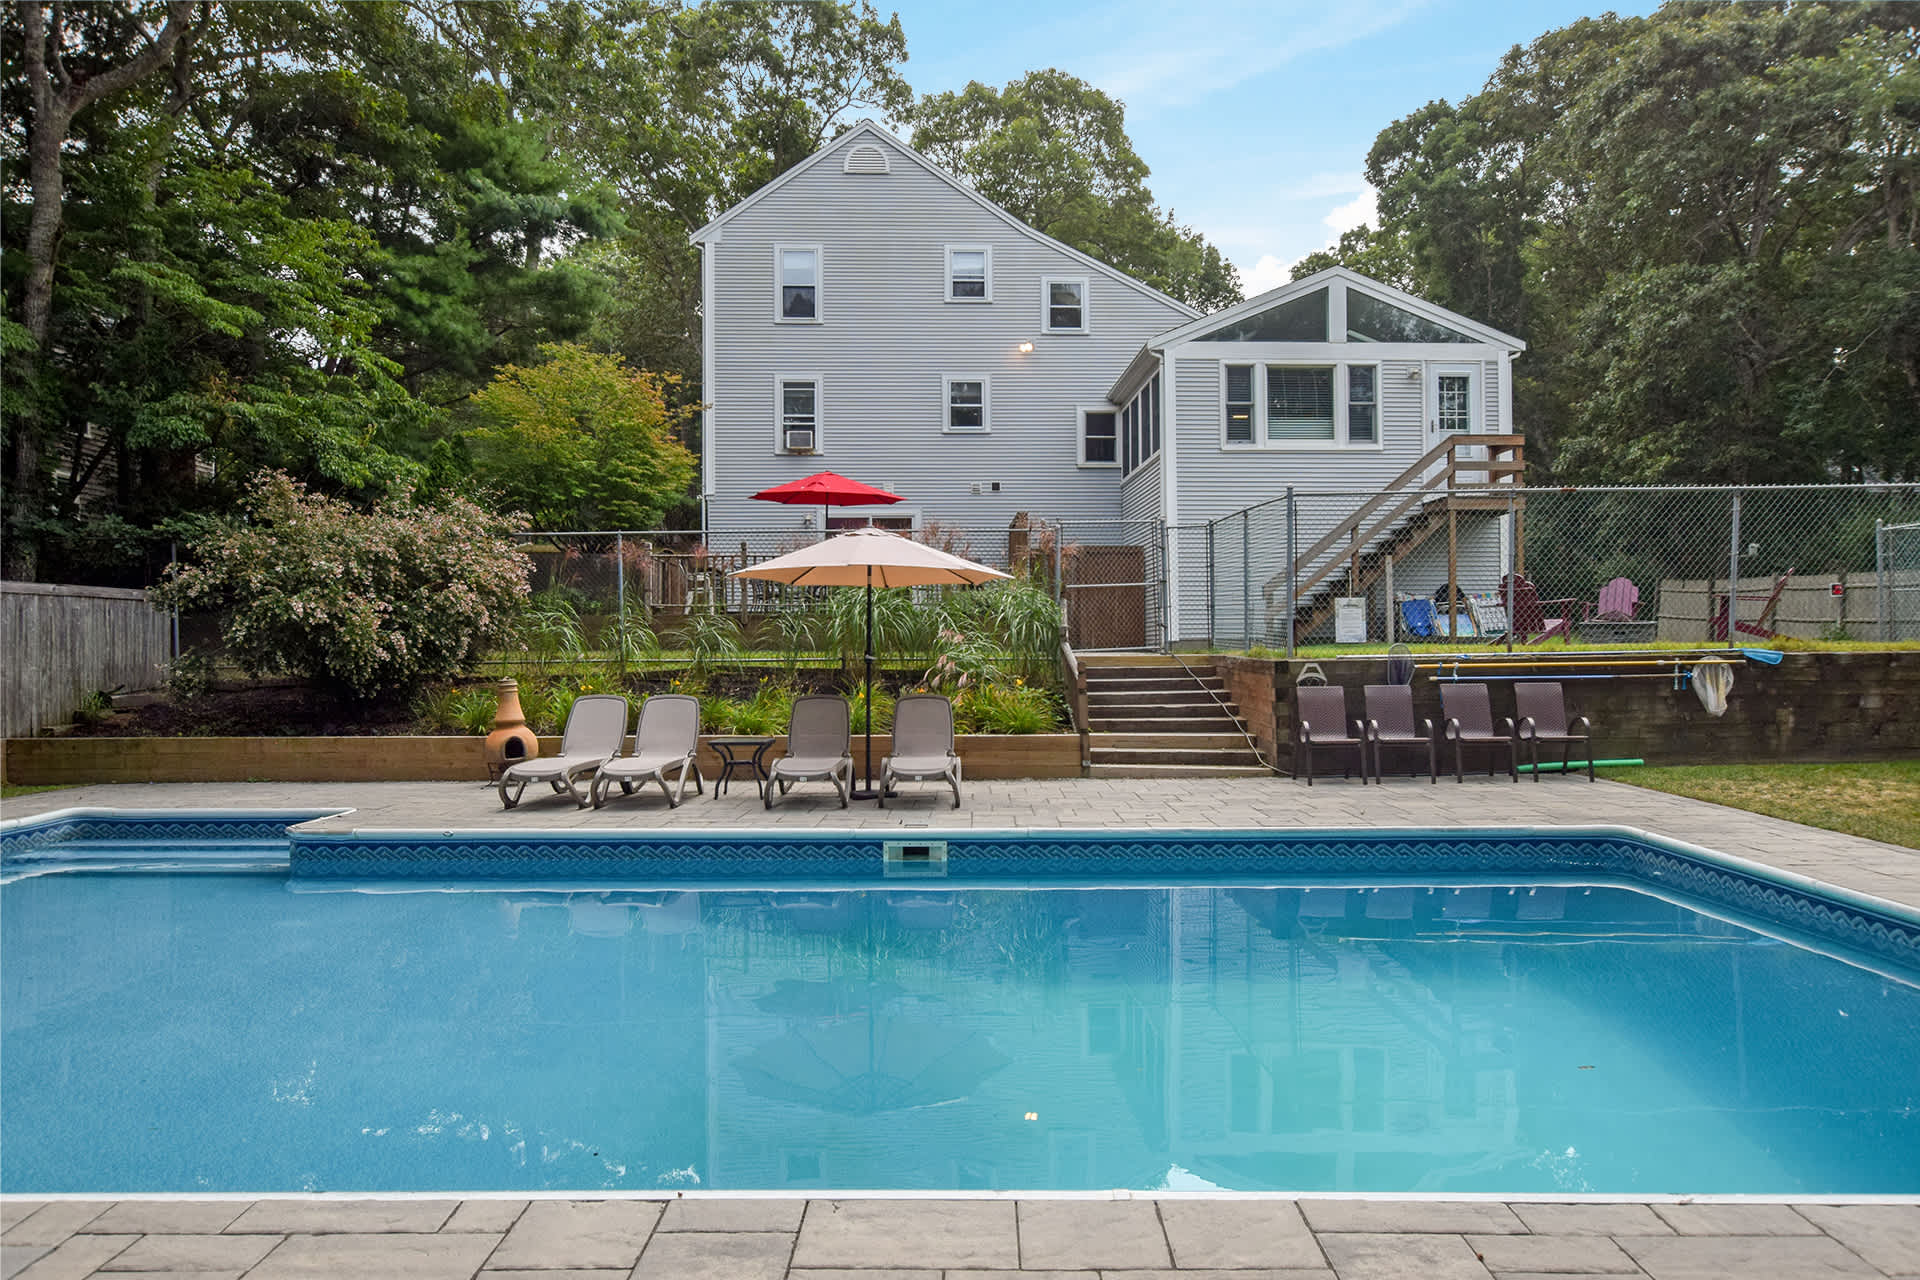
[(734, 758)]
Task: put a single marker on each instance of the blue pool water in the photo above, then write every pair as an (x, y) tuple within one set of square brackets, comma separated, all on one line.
[(245, 1031)]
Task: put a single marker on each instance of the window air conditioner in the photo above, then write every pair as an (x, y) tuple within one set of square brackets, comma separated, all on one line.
[(799, 440)]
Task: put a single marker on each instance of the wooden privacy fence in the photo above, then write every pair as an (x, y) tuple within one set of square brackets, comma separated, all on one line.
[(61, 643)]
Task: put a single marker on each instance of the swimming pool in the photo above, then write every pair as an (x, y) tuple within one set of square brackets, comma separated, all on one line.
[(1505, 1012)]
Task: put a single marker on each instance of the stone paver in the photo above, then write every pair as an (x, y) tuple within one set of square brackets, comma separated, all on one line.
[(495, 1217), (76, 1258), (582, 1234), (738, 1255), (1374, 1256), (1733, 1220), (1459, 1218), (733, 1215), (867, 1273), (390, 1255), (1591, 1255), (168, 1217), (169, 1252), (1744, 1257), (1315, 1273), (1591, 1219), (52, 1223), (1059, 1234), (1887, 1235), (14, 1258), (618, 1273), (345, 1217), (909, 1233), (13, 1211), (1238, 1233)]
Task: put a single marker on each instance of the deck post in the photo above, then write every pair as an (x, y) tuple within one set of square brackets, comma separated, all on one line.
[(1393, 607), (1513, 574), (1453, 570), (1246, 577), (1210, 629), (620, 597)]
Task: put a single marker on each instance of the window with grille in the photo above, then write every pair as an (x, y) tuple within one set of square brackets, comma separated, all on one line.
[(1239, 404), (1066, 309), (969, 273), (1099, 438), (1453, 402), (1363, 408), (966, 404)]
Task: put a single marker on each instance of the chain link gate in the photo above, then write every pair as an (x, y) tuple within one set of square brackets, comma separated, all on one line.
[(1113, 583), (1897, 548)]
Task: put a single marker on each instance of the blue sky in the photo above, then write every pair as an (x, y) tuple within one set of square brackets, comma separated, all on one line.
[(1255, 118)]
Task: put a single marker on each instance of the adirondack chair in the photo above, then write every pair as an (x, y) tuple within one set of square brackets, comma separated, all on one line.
[(1760, 627), (1613, 616), (1536, 620)]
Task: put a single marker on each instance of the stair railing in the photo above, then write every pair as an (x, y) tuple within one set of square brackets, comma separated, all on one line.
[(1436, 469), (1074, 677)]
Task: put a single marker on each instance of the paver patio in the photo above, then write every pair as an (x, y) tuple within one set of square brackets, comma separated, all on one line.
[(1136, 1236)]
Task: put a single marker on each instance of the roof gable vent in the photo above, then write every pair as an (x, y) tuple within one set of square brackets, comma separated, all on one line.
[(865, 158)]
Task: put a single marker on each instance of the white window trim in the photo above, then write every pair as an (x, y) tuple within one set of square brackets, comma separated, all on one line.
[(780, 409), (875, 514), (1338, 444), (1046, 302), (819, 283), (946, 279), (1083, 411), (1476, 413), (946, 404)]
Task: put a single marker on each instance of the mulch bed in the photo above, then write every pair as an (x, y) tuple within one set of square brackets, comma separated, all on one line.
[(267, 710)]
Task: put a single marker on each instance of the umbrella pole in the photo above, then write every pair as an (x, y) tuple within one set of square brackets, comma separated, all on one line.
[(867, 792)]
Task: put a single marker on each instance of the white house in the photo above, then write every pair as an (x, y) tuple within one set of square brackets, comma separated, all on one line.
[(869, 313)]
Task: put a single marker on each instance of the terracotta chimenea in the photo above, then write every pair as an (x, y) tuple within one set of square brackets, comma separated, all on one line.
[(511, 741)]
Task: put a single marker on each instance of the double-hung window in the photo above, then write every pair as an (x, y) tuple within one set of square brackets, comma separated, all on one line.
[(1286, 405), (796, 270), (1099, 438), (969, 273), (1063, 305), (966, 403), (797, 401)]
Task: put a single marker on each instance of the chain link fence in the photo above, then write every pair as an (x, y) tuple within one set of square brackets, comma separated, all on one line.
[(1591, 566)]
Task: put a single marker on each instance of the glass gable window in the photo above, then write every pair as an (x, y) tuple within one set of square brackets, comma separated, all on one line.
[(1239, 404), (1363, 406), (1299, 403), (799, 284), (967, 274), (1371, 319), (1303, 319), (1099, 438), (966, 404), (1066, 306)]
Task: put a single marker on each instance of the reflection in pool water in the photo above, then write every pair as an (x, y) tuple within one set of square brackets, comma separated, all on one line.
[(217, 1032)]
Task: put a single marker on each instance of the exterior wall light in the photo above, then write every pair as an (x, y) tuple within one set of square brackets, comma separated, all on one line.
[(1026, 348)]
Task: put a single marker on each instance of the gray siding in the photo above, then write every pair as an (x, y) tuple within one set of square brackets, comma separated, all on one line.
[(1140, 492), (886, 339)]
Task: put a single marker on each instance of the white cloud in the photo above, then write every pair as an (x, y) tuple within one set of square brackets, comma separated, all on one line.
[(1354, 213), (1179, 55), (1268, 273)]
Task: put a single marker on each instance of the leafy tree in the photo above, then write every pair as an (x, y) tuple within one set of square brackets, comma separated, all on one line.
[(368, 603), (1053, 150), (580, 441), (1377, 252), (1703, 223)]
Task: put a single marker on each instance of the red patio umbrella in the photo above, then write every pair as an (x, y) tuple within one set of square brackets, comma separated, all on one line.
[(828, 490)]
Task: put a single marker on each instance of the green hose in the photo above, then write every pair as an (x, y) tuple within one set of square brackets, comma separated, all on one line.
[(1555, 766)]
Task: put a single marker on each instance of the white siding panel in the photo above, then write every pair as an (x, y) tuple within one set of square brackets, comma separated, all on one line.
[(1140, 492), (887, 339)]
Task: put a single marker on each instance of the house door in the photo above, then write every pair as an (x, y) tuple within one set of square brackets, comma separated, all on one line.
[(1454, 409)]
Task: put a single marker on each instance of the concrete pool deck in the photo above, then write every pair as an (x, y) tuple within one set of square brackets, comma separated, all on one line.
[(931, 1238)]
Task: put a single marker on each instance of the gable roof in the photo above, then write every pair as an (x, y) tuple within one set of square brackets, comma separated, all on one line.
[(867, 131), (1353, 280)]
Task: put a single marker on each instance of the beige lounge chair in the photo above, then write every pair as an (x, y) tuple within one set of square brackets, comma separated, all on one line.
[(819, 747), (667, 741), (595, 727), (922, 744)]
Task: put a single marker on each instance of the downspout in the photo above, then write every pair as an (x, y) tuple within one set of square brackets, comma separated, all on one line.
[(707, 486)]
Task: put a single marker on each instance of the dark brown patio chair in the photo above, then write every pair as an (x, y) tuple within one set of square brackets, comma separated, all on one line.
[(1543, 718), (1469, 720), (1323, 723), (1391, 723)]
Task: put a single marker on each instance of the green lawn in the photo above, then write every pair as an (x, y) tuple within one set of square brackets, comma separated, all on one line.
[(8, 791), (1878, 800)]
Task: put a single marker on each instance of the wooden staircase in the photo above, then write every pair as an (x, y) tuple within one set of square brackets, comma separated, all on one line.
[(1422, 501), (1148, 716)]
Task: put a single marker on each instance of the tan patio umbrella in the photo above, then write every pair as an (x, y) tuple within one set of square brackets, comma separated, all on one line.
[(870, 558)]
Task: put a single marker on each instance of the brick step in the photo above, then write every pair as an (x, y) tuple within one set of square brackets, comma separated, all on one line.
[(1208, 727), (1174, 755), (1184, 741), (1177, 771)]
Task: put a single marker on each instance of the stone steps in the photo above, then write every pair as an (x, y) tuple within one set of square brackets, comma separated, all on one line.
[(1149, 716)]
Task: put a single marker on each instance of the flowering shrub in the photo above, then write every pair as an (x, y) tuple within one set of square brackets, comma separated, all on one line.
[(370, 602)]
